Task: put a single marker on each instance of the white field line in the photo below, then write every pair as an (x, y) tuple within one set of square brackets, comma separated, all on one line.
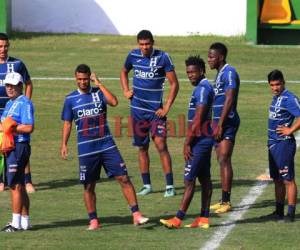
[(116, 78), (226, 226)]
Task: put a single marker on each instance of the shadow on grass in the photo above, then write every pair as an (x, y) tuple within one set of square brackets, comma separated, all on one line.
[(109, 221), (216, 185), (63, 183), (259, 219)]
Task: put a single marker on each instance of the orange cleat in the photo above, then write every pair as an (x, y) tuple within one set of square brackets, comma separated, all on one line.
[(171, 223), (202, 222), (94, 225), (139, 219)]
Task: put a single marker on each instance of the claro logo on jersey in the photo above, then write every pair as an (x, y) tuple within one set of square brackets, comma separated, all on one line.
[(145, 74), (91, 111), (88, 112)]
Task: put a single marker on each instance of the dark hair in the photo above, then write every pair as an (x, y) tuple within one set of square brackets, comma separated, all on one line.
[(83, 68), (145, 34), (4, 37), (221, 48), (275, 75), (195, 60)]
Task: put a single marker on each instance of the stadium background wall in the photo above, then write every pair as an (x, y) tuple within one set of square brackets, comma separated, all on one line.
[(167, 17)]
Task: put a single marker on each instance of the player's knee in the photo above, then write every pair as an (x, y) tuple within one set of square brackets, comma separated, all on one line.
[(144, 149), (90, 188), (224, 159), (123, 180), (289, 182), (189, 183), (161, 147)]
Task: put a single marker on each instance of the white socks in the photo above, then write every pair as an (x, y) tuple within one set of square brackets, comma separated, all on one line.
[(16, 221), (20, 222), (25, 225)]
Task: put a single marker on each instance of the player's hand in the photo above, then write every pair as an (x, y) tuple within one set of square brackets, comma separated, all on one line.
[(218, 133), (128, 94), (187, 152), (161, 112), (95, 79), (64, 152), (283, 130)]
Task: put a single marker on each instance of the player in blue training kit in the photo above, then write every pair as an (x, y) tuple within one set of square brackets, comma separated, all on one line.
[(285, 107), (87, 107), (226, 120), (17, 121), (10, 64), (197, 146), (150, 68)]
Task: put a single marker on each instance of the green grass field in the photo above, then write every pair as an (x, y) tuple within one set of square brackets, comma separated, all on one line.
[(58, 214)]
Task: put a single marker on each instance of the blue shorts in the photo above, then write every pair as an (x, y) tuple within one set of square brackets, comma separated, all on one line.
[(16, 161), (199, 164), (145, 123), (90, 166), (229, 133), (281, 160)]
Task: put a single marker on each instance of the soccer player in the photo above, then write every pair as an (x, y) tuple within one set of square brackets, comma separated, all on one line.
[(150, 68), (87, 106), (225, 119), (19, 109), (283, 110), (197, 146), (11, 64)]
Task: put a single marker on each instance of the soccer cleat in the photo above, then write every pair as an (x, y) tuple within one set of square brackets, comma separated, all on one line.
[(145, 190), (2, 187), (224, 208), (170, 192), (30, 188), (216, 205), (171, 223), (202, 222), (272, 216), (10, 229), (139, 219), (94, 225), (289, 218)]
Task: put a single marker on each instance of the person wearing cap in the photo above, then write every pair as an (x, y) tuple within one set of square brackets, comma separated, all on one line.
[(20, 110), (10, 64)]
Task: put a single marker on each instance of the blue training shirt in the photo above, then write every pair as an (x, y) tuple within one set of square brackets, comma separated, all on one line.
[(226, 79), (149, 74), (11, 65), (203, 94), (22, 111), (89, 114), (283, 110)]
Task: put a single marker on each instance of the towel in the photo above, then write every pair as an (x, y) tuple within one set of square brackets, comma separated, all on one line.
[(8, 142), (1, 156)]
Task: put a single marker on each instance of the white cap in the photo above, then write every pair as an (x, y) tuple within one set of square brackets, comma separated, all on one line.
[(13, 78)]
